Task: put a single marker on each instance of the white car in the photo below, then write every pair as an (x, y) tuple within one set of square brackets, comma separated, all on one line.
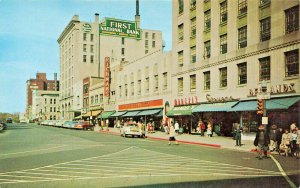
[(132, 129)]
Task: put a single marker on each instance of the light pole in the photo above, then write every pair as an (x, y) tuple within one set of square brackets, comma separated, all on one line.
[(264, 90)]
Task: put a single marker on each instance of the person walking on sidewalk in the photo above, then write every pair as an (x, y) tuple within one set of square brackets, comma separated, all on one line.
[(273, 138), (262, 140), (172, 134), (176, 127), (209, 129), (286, 142), (238, 135), (202, 127)]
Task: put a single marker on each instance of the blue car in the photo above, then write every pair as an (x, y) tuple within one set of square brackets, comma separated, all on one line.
[(70, 124)]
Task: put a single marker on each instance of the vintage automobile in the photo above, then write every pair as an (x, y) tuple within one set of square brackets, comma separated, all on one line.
[(133, 130), (84, 125)]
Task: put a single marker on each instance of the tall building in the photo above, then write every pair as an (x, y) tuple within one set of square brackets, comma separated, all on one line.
[(39, 83), (84, 47), (223, 51)]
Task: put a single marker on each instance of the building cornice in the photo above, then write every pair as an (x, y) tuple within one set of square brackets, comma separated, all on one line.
[(67, 30)]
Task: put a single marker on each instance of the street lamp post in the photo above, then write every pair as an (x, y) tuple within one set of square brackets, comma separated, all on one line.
[(264, 91)]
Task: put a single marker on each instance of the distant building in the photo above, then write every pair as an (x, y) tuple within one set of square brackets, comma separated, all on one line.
[(39, 83)]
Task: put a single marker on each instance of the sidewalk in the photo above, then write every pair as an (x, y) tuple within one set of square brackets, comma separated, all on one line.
[(215, 141)]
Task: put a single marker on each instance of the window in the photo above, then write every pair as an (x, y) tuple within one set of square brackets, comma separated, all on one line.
[(292, 19), (155, 83), (165, 81), (84, 47), (84, 58), (193, 82), (50, 101), (265, 29), (242, 37), (123, 51), (123, 40), (139, 87), (180, 85), (153, 36), (206, 80), (54, 101), (50, 109), (50, 117), (180, 6), (147, 85), (132, 88), (153, 44), (92, 48), (45, 101), (242, 73), (193, 54), (54, 117), (92, 100), (54, 109), (206, 49), (180, 33), (101, 97), (223, 77), (193, 4), (146, 44), (84, 36), (264, 69), (85, 88), (96, 99), (242, 7), (180, 58), (92, 37), (223, 12), (92, 59), (146, 51), (207, 20), (120, 91), (223, 44), (146, 35), (126, 90), (193, 27), (292, 63)]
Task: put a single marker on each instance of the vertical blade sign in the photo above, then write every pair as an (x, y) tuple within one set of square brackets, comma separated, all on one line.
[(106, 77)]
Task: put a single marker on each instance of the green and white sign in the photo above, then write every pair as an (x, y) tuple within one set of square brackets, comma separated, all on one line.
[(121, 28), (86, 27)]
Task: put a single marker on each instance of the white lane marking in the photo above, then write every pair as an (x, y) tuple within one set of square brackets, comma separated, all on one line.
[(44, 174), (283, 173), (32, 177), (32, 150)]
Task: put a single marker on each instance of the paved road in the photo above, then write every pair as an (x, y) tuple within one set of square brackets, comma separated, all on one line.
[(38, 156)]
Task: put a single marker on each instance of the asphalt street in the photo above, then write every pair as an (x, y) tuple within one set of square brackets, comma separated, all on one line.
[(38, 156)]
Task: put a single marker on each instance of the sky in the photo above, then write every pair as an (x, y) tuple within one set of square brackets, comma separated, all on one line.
[(29, 30)]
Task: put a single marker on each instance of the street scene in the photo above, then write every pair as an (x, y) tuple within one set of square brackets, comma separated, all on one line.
[(139, 93)]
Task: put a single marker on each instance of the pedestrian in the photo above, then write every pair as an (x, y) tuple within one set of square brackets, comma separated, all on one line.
[(172, 134), (297, 143), (262, 141), (238, 135), (273, 138), (278, 138), (202, 126), (292, 127), (209, 129), (294, 136), (286, 142), (176, 127)]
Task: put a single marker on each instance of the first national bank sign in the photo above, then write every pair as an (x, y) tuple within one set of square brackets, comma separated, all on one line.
[(120, 28)]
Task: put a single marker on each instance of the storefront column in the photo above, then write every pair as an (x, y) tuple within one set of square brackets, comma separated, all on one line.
[(241, 119)]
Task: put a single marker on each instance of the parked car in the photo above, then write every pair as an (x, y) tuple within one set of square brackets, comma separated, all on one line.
[(59, 123), (132, 129), (3, 126), (84, 125), (9, 120), (69, 124)]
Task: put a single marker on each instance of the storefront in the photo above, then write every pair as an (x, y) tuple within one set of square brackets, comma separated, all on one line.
[(105, 119)]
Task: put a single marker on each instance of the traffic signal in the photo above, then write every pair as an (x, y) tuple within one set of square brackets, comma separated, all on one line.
[(260, 107)]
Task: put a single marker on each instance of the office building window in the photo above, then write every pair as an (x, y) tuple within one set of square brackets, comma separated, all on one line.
[(92, 48), (292, 19), (242, 7), (223, 77), (153, 44), (84, 58), (180, 85), (85, 88), (264, 68), (101, 98), (54, 101), (193, 54), (223, 44), (265, 29), (92, 37), (146, 51), (193, 27), (120, 91), (92, 59), (155, 83), (92, 99), (96, 99), (180, 33), (193, 4), (146, 35), (123, 40), (147, 85), (123, 51), (54, 117), (180, 6), (146, 44), (207, 20), (206, 49), (54, 109), (292, 63), (206, 80), (242, 73), (126, 90), (180, 58), (51, 118), (84, 47), (132, 88), (153, 36), (50, 101), (242, 37), (45, 101), (139, 90), (165, 81), (84, 36), (223, 12), (50, 109), (193, 83)]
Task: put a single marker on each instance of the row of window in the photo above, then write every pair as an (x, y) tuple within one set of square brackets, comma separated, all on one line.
[(84, 59), (85, 37), (52, 101), (96, 99), (85, 48), (52, 109), (291, 69), (53, 118)]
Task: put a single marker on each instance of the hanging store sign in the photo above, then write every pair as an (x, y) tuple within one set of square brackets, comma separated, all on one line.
[(278, 89), (107, 77), (219, 99), (120, 28), (139, 105), (186, 101)]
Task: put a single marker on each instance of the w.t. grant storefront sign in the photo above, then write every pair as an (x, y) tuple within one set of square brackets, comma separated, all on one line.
[(274, 89), (121, 28)]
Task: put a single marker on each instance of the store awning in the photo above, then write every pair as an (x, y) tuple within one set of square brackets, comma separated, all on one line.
[(149, 112), (78, 117), (106, 114), (131, 113), (181, 111), (215, 107), (160, 114), (117, 114), (272, 104), (92, 113)]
